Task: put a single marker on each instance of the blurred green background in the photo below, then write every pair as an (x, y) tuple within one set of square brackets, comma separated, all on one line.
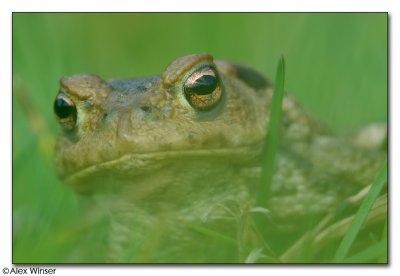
[(336, 65)]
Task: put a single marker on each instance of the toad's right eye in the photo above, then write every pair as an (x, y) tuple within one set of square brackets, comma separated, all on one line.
[(65, 111), (203, 89)]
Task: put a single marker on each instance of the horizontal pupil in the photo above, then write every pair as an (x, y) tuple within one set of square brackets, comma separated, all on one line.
[(62, 108), (204, 85)]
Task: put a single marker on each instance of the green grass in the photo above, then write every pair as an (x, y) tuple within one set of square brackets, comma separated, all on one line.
[(272, 137), (370, 254), (360, 218), (270, 146), (336, 66)]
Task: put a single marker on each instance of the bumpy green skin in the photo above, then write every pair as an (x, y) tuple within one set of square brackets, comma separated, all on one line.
[(161, 169)]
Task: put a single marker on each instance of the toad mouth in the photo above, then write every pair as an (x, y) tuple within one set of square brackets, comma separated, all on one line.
[(142, 163)]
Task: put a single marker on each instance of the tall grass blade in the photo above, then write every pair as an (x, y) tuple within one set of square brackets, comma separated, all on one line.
[(271, 143), (361, 215), (368, 255)]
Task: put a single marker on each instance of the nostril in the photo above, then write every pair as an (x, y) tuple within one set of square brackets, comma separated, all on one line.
[(104, 116), (146, 108)]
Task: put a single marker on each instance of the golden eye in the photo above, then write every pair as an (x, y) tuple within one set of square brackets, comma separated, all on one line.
[(65, 111), (202, 89)]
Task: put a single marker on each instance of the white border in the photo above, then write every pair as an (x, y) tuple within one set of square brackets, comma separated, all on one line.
[(9, 6), (204, 5)]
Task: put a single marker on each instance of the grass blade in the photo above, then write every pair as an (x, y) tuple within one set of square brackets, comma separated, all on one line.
[(369, 254), (210, 233), (361, 215), (271, 143)]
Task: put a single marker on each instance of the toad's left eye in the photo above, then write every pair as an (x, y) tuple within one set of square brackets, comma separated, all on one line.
[(202, 89), (65, 111)]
